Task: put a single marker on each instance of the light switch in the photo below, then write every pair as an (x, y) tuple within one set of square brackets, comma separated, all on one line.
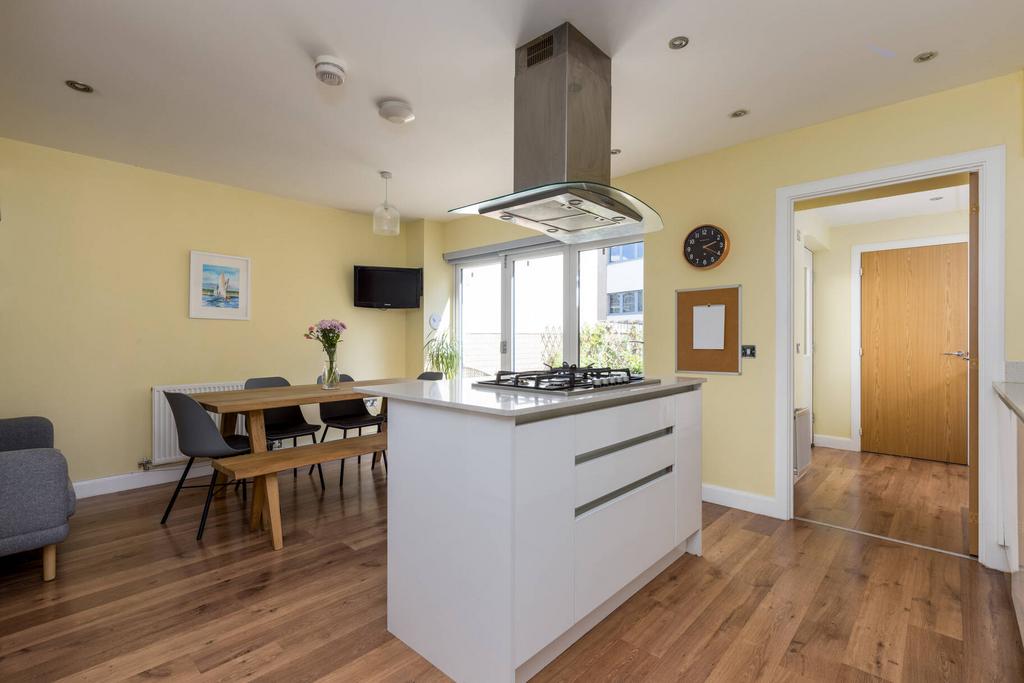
[(748, 351)]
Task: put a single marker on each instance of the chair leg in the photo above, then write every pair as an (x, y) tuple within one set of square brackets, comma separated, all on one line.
[(243, 491), (341, 477), (384, 454), (50, 562), (373, 460), (206, 508), (177, 490), (322, 436), (310, 473), (320, 469)]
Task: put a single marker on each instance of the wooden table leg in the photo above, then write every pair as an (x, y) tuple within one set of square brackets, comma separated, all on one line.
[(228, 422), (258, 494), (272, 510), (257, 431), (257, 444)]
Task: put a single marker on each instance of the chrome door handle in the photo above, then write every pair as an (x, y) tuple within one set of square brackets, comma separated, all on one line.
[(958, 354)]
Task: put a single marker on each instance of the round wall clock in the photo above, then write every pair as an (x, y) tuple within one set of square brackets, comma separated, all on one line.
[(706, 247)]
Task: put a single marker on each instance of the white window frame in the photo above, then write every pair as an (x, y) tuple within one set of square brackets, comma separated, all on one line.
[(570, 290)]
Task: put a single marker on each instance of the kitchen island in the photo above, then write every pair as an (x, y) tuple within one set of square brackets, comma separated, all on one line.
[(518, 521)]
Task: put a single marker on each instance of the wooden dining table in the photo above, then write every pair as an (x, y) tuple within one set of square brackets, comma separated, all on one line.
[(253, 402)]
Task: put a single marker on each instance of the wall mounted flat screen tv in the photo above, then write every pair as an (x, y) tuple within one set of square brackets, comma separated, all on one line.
[(379, 287)]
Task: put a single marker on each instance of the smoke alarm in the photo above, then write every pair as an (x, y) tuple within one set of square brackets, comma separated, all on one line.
[(329, 70), (395, 111)]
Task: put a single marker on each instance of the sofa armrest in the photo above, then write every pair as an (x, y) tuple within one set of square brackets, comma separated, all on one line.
[(20, 433), (35, 491)]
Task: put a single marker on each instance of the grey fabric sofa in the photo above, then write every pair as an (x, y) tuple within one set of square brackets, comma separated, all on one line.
[(36, 496)]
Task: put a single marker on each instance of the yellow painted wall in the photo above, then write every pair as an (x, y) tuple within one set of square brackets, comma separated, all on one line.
[(425, 247), (832, 308), (94, 260), (735, 188)]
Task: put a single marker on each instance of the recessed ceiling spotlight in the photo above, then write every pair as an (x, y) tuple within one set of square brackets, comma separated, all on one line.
[(738, 114), (935, 199), (329, 70), (615, 151), (395, 111), (678, 43), (925, 56), (78, 86)]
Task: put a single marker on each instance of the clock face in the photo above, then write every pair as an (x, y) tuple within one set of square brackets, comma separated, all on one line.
[(706, 246)]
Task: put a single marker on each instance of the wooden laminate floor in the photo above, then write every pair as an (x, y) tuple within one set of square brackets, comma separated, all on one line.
[(769, 600), (913, 500)]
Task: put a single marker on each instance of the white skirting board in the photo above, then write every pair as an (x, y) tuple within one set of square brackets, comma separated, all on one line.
[(743, 500), (842, 443), (135, 480)]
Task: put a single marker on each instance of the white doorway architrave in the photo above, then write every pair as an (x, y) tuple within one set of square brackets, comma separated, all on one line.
[(997, 546), (855, 316)]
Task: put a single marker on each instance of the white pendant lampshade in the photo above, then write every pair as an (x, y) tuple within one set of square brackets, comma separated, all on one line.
[(386, 217)]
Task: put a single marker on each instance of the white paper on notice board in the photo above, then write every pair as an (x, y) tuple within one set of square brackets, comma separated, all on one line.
[(709, 327)]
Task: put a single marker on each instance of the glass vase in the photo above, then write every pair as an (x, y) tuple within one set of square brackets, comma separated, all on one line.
[(329, 376)]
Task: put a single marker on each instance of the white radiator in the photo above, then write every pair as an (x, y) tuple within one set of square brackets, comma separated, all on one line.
[(165, 436)]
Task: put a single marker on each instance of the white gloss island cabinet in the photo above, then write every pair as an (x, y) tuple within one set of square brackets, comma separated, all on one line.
[(517, 522)]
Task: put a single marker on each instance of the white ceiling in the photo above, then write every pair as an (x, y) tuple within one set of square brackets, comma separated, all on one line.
[(224, 90), (927, 203)]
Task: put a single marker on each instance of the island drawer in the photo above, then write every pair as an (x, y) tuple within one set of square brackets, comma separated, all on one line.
[(618, 541), (604, 470), (600, 428)]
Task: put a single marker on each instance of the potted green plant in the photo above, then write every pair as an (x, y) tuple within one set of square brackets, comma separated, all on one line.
[(442, 354)]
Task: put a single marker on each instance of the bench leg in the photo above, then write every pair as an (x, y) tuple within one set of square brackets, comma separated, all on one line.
[(272, 510), (50, 562), (258, 492)]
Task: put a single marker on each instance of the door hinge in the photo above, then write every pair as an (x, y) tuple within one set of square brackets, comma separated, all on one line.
[(860, 432), (862, 351), (861, 272)]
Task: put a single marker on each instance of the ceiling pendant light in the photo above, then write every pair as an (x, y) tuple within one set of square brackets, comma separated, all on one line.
[(385, 216)]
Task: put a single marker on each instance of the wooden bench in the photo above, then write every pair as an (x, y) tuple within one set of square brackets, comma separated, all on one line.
[(264, 468)]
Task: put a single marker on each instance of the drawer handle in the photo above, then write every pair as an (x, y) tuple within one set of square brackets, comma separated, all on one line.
[(621, 446), (618, 493)]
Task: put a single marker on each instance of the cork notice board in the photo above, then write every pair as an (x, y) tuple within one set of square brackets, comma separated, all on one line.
[(717, 333)]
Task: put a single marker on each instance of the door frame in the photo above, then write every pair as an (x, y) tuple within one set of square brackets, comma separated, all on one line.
[(997, 546), (855, 315)]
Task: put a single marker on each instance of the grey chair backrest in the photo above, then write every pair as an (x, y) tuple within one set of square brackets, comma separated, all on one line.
[(338, 409), (22, 433), (274, 417), (198, 436), (433, 376)]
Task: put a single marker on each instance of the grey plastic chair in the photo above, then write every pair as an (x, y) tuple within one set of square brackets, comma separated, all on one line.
[(284, 423), (198, 437), (432, 376), (346, 415)]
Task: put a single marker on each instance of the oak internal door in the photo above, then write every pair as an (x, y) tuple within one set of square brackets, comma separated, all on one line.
[(914, 343)]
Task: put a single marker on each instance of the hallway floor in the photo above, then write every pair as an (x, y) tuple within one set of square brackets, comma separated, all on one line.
[(913, 500)]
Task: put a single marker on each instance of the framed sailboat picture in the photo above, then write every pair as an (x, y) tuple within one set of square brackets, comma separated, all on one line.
[(219, 286)]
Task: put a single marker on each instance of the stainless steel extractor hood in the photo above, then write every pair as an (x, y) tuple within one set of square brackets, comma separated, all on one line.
[(563, 102)]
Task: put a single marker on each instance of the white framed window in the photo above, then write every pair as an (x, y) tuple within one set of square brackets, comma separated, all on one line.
[(622, 303), (524, 307)]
